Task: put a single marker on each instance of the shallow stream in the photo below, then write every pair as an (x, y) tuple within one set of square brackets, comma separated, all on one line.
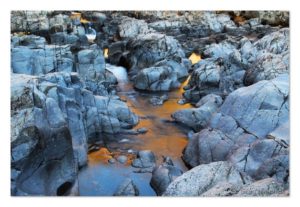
[(163, 138)]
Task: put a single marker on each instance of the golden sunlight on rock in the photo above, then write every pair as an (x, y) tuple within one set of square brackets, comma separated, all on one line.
[(77, 15), (239, 20), (105, 52), (195, 58), (181, 90)]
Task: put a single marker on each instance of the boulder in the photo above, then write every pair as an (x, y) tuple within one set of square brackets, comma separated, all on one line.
[(222, 189), (145, 159), (265, 187), (158, 100), (207, 146), (163, 175), (164, 76), (198, 118), (127, 188), (122, 159), (131, 27), (262, 104), (62, 38), (53, 116), (29, 41), (147, 49), (267, 58), (200, 179), (29, 21), (235, 131), (269, 17), (39, 61), (252, 159)]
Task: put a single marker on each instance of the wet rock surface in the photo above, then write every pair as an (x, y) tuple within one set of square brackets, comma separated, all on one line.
[(64, 96), (163, 175), (200, 179), (127, 188)]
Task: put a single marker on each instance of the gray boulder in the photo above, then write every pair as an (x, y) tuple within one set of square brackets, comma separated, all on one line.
[(267, 58), (130, 27), (147, 49), (164, 76), (200, 179), (236, 133), (29, 21), (63, 38), (163, 175), (90, 62), (127, 188), (198, 118), (269, 17), (52, 118), (253, 158), (265, 187), (145, 159), (207, 146), (262, 104), (39, 61), (30, 41), (222, 189)]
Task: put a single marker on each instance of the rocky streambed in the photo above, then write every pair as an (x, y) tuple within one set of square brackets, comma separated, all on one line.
[(150, 103)]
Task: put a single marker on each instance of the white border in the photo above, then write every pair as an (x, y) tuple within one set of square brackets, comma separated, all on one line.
[(290, 5)]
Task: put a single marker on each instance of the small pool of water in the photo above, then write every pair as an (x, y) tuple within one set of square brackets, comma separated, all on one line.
[(164, 138)]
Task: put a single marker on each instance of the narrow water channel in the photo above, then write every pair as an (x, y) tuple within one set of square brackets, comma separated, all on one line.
[(163, 138)]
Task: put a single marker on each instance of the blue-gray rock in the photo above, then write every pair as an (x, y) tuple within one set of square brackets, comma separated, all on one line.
[(62, 38), (200, 179), (259, 105), (131, 27), (122, 159), (39, 61), (145, 159), (265, 187), (127, 188), (198, 118), (164, 76), (163, 175)]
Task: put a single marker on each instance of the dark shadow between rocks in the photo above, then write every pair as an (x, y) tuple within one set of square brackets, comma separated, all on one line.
[(64, 189)]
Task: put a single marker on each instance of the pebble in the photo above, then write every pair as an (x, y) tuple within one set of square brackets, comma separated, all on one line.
[(122, 159), (112, 160), (142, 130), (181, 101)]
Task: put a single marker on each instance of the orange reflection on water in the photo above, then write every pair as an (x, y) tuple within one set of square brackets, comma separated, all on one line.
[(102, 155), (195, 58), (163, 138)]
